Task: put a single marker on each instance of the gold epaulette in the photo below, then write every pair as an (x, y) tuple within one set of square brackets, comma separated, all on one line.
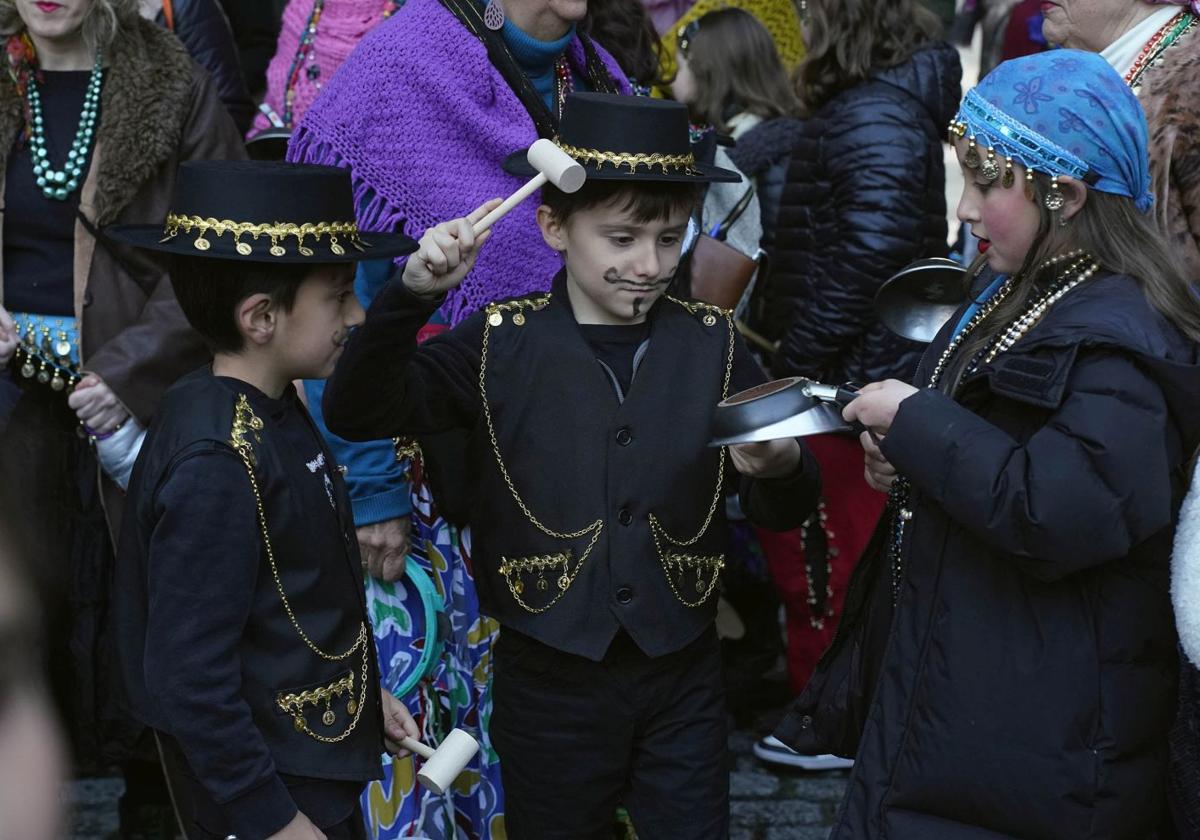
[(495, 311), (711, 314), (245, 424)]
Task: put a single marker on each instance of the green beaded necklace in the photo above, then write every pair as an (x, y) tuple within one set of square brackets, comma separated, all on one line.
[(59, 183)]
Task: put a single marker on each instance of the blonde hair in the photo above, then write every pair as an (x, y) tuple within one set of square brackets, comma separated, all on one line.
[(103, 22)]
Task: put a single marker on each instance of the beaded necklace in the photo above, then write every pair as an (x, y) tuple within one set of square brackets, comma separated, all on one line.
[(1151, 54), (54, 183), (306, 54), (562, 82), (1082, 267), (59, 183)]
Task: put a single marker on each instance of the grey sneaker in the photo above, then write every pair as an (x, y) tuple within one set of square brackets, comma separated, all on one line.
[(773, 751)]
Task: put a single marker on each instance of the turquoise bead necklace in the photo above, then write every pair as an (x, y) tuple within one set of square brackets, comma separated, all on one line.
[(59, 183)]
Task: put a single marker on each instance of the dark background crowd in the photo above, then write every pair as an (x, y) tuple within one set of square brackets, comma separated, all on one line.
[(833, 111)]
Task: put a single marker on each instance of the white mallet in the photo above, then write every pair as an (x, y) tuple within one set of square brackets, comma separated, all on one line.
[(553, 165), (443, 765)]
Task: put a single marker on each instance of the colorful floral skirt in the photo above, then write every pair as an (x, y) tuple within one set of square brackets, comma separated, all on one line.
[(457, 692)]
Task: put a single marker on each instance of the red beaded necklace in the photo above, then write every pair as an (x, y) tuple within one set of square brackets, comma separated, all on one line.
[(1157, 45), (563, 81)]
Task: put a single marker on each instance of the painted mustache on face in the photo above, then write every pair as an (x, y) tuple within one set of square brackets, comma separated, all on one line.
[(614, 278)]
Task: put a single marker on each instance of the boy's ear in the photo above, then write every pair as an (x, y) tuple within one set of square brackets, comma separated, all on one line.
[(255, 317), (553, 230)]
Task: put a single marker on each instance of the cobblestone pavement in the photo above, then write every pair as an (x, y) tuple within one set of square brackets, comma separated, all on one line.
[(767, 805)]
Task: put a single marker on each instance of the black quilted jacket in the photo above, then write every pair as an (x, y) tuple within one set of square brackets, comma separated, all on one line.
[(864, 196)]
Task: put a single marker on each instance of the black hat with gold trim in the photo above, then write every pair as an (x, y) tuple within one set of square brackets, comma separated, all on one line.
[(627, 138), (263, 211)]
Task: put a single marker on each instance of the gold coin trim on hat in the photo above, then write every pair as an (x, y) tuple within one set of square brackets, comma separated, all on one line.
[(685, 164), (277, 232)]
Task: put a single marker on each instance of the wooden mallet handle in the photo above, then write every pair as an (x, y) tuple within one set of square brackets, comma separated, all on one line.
[(553, 166), (415, 746)]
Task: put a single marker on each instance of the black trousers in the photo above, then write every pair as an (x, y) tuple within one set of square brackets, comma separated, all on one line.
[(577, 738)]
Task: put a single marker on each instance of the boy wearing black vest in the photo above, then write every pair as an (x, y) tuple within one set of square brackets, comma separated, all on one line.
[(597, 506), (240, 620)]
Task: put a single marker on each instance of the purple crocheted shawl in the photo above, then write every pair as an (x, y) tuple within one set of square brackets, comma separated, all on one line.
[(424, 122)]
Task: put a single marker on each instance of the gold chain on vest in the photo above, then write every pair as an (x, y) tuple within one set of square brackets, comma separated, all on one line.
[(680, 560), (510, 568), (245, 423)]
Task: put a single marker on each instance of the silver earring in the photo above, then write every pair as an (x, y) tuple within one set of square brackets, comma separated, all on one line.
[(493, 15)]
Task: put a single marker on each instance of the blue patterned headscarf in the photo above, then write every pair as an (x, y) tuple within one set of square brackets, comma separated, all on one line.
[(1063, 112)]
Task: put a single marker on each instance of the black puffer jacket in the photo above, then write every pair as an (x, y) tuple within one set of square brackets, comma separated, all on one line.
[(865, 196), (205, 31), (1025, 682)]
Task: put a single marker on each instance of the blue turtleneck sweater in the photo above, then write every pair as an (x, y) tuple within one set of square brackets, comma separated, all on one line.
[(536, 58)]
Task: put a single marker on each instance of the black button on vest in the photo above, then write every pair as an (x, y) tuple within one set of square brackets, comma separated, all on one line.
[(625, 517), (624, 595), (624, 437)]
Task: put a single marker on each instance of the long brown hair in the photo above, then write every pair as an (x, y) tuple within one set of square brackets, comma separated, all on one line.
[(624, 28), (1119, 238), (849, 39), (737, 69)]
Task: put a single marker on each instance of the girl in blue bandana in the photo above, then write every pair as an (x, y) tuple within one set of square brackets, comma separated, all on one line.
[(1006, 665)]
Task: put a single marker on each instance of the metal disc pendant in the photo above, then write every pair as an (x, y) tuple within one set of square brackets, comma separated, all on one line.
[(971, 158), (202, 244), (328, 718), (519, 587), (305, 251), (63, 348), (57, 383), (28, 370), (564, 582), (337, 249), (1055, 201), (43, 376), (243, 249), (495, 319), (519, 319), (710, 320), (298, 722), (1009, 179), (989, 169), (277, 251), (352, 707)]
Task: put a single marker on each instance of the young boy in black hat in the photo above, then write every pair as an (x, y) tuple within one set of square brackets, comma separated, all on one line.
[(598, 508), (241, 625)]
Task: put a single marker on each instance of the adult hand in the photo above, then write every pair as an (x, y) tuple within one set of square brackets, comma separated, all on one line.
[(8, 337), (876, 404), (767, 459), (397, 724), (384, 548), (880, 474), (300, 828), (446, 254), (96, 405)]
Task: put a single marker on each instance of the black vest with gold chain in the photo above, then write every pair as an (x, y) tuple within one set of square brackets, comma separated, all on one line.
[(591, 514)]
